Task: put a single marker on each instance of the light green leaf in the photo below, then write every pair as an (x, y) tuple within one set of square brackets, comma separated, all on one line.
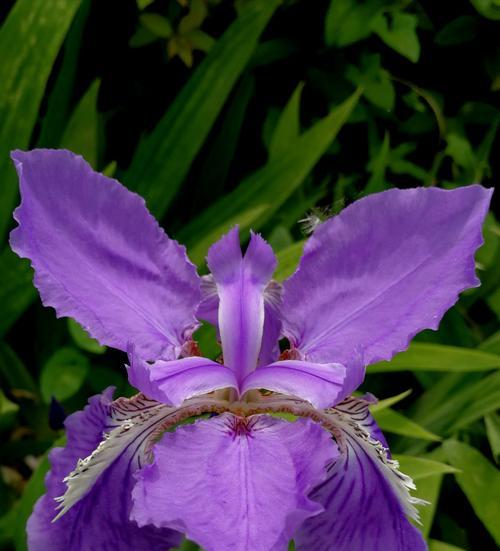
[(388, 402), (487, 8), (428, 489), (480, 482), (81, 134), (63, 374), (375, 80), (492, 422), (439, 357), (435, 545), (348, 21), (262, 193), (16, 291), (491, 344), (393, 421), (60, 95), (421, 467), (156, 24), (288, 260), (287, 129), (164, 157), (8, 412), (456, 401), (82, 339), (400, 34), (24, 72)]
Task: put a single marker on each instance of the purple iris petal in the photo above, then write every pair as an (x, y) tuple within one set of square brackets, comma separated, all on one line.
[(100, 520), (320, 384), (100, 257), (387, 267), (241, 281), (172, 382), (365, 497), (234, 484)]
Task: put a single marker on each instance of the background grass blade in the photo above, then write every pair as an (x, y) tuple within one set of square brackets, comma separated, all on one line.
[(16, 291), (480, 482), (438, 357), (261, 194), (164, 157), (24, 72)]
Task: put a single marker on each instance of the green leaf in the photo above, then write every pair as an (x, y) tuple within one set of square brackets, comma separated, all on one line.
[(421, 467), (491, 344), (81, 134), (33, 490), (288, 260), (428, 489), (348, 21), (82, 339), (60, 95), (287, 129), (164, 157), (24, 72), (215, 167), (480, 482), (393, 421), (492, 422), (17, 291), (156, 24), (435, 545), (14, 372), (262, 193), (378, 166), (376, 82), (460, 30), (456, 401), (399, 34), (487, 8), (388, 402), (439, 357), (63, 374), (8, 412)]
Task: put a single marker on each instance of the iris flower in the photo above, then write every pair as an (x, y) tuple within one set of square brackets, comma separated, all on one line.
[(139, 473)]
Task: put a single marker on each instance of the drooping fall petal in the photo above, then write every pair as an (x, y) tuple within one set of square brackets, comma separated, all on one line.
[(100, 257), (233, 484), (100, 517), (366, 498)]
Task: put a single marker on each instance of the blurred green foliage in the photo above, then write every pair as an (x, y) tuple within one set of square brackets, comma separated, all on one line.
[(225, 111)]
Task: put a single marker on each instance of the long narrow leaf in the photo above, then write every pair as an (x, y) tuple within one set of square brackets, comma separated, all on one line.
[(16, 290), (480, 482), (163, 158), (24, 72), (262, 193), (438, 357)]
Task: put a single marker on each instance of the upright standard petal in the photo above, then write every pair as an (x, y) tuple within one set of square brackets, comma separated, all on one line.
[(172, 382), (241, 281), (234, 484), (100, 518), (387, 267), (366, 498), (100, 257)]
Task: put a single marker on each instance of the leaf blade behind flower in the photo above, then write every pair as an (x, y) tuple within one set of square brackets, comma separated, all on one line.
[(164, 157), (24, 72)]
